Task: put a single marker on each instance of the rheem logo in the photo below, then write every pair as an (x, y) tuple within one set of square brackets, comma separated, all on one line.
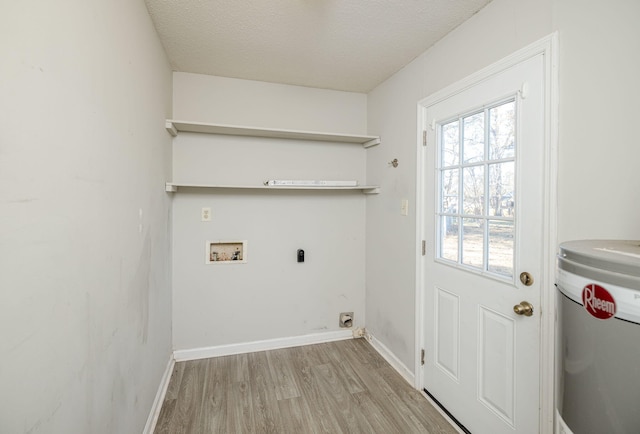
[(598, 301)]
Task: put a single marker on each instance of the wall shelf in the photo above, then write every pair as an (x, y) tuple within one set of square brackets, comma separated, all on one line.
[(174, 127), (172, 187)]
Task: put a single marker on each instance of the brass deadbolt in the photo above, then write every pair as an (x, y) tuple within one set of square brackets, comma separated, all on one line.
[(526, 278)]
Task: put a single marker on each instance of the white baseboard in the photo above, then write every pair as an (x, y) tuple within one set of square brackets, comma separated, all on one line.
[(391, 359), (269, 344), (150, 426)]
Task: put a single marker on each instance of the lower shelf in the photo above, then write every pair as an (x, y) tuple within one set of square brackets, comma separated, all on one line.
[(172, 187)]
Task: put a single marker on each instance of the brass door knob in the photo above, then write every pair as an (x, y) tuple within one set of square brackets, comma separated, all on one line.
[(524, 308)]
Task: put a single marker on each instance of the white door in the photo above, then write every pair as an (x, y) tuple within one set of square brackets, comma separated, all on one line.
[(483, 217)]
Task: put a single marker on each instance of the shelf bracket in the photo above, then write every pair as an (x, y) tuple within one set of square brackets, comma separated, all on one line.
[(171, 128), (371, 143), (170, 188), (375, 190)]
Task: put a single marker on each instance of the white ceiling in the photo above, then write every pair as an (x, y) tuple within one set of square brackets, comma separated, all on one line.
[(350, 45)]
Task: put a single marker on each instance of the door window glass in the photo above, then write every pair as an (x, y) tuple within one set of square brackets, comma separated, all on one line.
[(477, 197)]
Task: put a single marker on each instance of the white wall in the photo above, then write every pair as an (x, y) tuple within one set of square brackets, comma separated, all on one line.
[(499, 29), (85, 310), (599, 112), (205, 98), (272, 296)]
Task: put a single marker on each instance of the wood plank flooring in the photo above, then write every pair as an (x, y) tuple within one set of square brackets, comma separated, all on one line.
[(337, 387)]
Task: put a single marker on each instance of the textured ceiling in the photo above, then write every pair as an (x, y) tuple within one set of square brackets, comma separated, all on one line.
[(350, 45)]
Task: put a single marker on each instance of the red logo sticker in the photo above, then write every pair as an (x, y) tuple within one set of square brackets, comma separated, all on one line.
[(598, 301)]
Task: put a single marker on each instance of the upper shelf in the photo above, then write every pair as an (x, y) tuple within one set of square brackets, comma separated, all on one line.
[(174, 127), (172, 187)]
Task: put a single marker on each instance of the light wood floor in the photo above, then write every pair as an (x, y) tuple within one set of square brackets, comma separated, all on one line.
[(338, 387)]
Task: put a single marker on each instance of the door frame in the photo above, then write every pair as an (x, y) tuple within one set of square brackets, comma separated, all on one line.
[(548, 47)]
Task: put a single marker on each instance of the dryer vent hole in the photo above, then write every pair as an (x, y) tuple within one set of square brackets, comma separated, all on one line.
[(346, 320)]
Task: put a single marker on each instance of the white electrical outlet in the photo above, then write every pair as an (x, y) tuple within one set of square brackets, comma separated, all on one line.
[(206, 214), (404, 207)]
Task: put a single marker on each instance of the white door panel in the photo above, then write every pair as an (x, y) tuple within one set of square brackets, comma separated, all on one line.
[(496, 362), (447, 333)]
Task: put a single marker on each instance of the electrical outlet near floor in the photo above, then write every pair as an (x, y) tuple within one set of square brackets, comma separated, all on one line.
[(206, 214)]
